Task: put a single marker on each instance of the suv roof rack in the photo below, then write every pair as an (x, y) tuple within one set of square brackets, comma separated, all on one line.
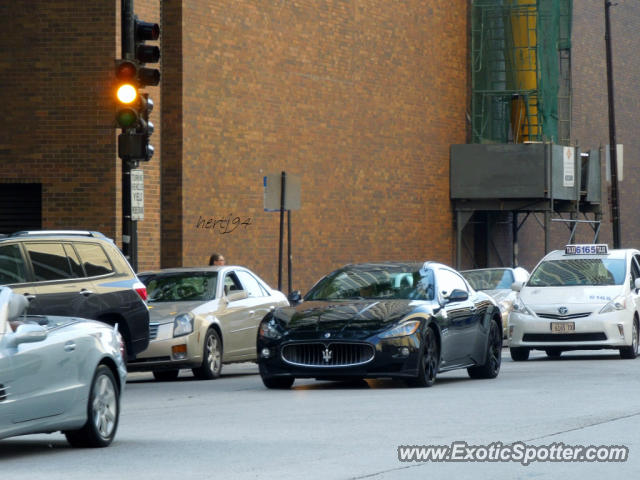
[(85, 233)]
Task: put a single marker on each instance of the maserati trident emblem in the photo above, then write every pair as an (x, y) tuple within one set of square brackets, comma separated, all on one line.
[(563, 310), (326, 355)]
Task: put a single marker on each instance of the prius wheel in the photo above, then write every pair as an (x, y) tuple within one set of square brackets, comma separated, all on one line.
[(211, 357), (103, 412), (491, 367), (553, 353), (165, 375), (519, 354), (631, 352), (429, 361)]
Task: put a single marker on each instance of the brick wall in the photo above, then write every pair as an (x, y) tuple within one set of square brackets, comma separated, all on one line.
[(361, 100)]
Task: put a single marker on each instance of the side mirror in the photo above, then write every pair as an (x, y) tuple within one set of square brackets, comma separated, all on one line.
[(27, 333), (636, 283), (296, 297), (235, 295), (517, 286), (457, 295)]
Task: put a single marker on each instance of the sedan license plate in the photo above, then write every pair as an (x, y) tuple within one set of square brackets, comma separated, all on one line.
[(564, 327)]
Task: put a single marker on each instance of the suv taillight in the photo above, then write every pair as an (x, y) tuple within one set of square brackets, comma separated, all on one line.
[(141, 290)]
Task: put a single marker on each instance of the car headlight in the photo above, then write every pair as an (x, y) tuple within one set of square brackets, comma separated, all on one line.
[(269, 330), (519, 307), (183, 324), (402, 330), (618, 303)]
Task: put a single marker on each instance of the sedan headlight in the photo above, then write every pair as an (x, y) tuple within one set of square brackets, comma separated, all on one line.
[(402, 330), (618, 303), (183, 324), (520, 307), (269, 330)]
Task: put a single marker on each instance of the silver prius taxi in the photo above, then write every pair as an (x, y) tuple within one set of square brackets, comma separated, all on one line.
[(582, 298)]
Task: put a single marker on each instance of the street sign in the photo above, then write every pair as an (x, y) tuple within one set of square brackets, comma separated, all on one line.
[(137, 195), (272, 191)]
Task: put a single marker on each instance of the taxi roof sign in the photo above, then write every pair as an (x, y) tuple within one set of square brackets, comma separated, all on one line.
[(587, 249)]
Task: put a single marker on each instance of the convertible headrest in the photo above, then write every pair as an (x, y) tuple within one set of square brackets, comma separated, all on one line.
[(17, 306)]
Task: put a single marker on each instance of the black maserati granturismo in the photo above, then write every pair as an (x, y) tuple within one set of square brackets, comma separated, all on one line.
[(409, 320)]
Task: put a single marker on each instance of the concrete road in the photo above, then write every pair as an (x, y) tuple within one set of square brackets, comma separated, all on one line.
[(234, 428)]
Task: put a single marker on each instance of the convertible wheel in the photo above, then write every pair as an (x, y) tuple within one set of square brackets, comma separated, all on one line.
[(491, 367), (211, 357), (103, 412), (554, 353), (519, 354), (429, 361), (165, 375), (631, 352)]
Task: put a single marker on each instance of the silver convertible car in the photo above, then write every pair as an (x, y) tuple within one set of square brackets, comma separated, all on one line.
[(58, 374), (203, 317)]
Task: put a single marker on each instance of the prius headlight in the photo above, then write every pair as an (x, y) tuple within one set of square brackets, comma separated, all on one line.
[(183, 324), (402, 330), (520, 307), (618, 303)]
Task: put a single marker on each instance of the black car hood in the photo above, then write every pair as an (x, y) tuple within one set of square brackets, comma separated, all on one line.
[(345, 319)]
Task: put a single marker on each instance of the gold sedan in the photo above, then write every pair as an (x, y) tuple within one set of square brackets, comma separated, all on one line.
[(201, 318)]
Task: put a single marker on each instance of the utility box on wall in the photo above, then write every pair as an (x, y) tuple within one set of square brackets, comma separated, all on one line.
[(512, 171)]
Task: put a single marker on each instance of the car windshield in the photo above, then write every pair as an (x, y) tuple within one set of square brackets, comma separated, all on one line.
[(578, 271), (177, 287), (489, 279), (392, 282)]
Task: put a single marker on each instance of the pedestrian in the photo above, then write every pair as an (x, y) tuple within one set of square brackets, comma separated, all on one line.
[(216, 259)]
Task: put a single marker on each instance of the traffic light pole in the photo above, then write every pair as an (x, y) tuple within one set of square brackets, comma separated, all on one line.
[(129, 227), (613, 148)]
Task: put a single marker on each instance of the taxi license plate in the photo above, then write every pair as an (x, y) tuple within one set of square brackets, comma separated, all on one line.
[(557, 327)]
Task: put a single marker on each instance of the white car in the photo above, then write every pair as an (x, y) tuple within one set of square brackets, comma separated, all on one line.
[(582, 298)]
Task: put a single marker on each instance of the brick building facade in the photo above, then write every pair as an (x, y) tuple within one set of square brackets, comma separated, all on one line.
[(359, 99)]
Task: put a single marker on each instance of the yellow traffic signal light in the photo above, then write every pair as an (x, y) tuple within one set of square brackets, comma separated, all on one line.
[(127, 93)]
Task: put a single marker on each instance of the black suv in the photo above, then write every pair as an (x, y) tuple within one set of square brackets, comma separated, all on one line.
[(77, 273)]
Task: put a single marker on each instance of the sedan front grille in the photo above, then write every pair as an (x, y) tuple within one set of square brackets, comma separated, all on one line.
[(153, 330), (327, 354)]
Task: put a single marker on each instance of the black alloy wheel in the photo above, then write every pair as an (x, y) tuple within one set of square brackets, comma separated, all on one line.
[(428, 362), (211, 357), (491, 367)]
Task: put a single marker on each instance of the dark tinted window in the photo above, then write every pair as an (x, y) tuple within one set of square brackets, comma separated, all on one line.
[(74, 262), (12, 269), (50, 262), (93, 259)]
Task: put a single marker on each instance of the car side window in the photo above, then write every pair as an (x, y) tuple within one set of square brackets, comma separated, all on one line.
[(635, 271), (448, 281), (74, 261), (94, 260), (49, 261), (231, 283), (251, 285), (12, 267)]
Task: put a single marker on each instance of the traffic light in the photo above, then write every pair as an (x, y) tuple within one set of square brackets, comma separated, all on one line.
[(127, 97), (133, 105)]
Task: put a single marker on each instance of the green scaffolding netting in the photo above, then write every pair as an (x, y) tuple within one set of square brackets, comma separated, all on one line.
[(520, 70)]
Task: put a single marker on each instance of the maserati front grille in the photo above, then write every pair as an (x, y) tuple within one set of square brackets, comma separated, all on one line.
[(334, 354)]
